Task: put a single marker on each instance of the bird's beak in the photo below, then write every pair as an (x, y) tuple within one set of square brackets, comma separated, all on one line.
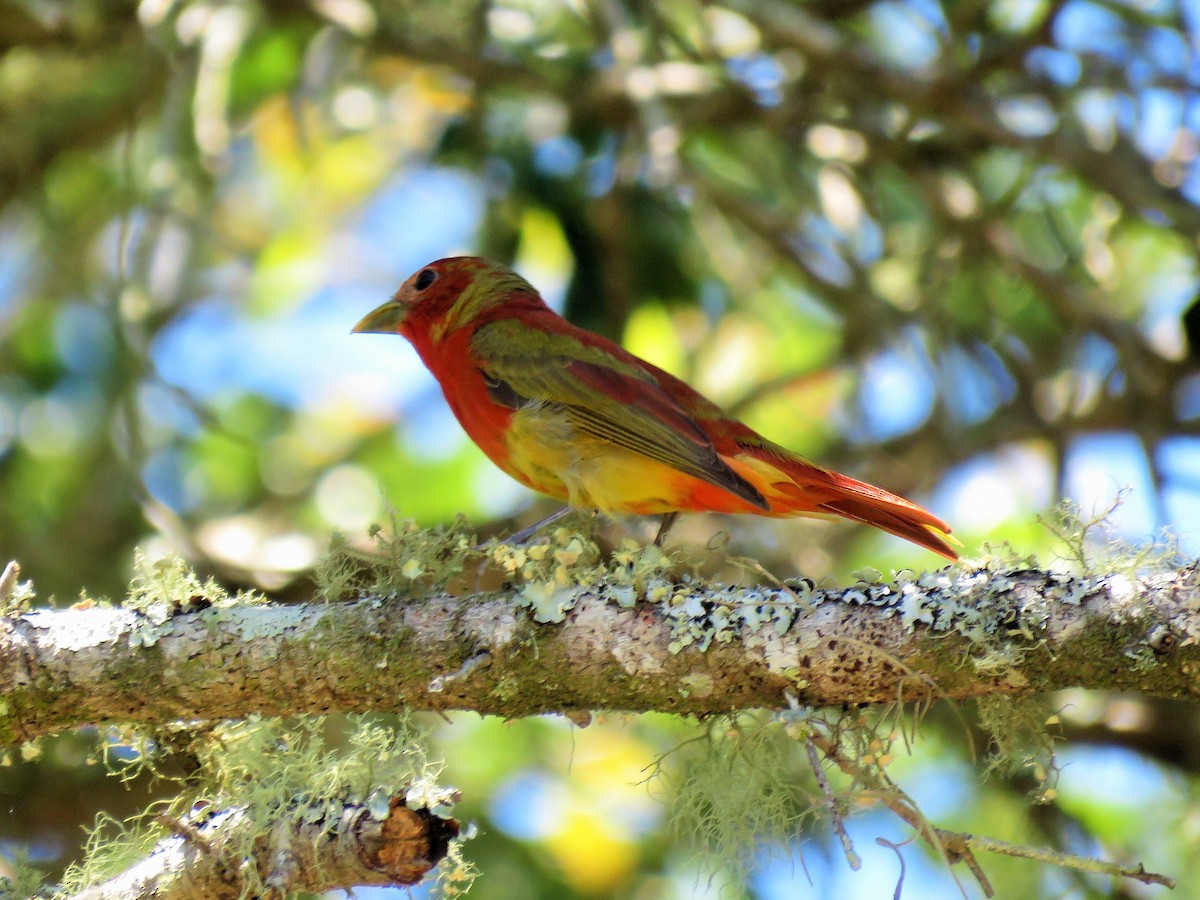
[(386, 319)]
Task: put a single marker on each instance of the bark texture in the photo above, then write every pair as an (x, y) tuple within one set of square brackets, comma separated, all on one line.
[(702, 649)]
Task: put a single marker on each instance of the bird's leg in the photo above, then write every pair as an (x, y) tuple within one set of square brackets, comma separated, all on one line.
[(526, 533), (668, 520)]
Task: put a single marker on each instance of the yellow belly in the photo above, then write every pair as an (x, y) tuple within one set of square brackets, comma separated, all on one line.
[(547, 453)]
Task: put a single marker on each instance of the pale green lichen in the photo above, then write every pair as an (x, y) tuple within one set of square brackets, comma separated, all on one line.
[(112, 846), (549, 602), (400, 559), (1091, 547), (976, 601), (280, 621), (699, 614), (550, 574), (554, 571), (265, 770), (163, 588), (738, 791), (16, 596), (1020, 743), (745, 786)]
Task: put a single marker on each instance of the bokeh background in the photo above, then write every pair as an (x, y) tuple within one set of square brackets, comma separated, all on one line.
[(950, 248)]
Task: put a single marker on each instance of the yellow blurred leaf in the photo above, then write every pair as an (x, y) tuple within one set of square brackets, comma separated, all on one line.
[(593, 857), (651, 334)]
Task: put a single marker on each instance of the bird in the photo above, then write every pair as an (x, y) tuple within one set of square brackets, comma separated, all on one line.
[(571, 414)]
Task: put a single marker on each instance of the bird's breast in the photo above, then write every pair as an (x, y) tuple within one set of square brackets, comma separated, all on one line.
[(548, 453), (543, 449)]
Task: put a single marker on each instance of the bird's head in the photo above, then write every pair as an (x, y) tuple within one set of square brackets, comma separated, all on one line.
[(443, 296)]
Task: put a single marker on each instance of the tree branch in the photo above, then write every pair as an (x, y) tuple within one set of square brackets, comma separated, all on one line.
[(313, 849), (955, 633)]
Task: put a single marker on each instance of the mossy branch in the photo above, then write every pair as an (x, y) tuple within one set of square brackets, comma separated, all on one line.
[(692, 648), (312, 849), (269, 808)]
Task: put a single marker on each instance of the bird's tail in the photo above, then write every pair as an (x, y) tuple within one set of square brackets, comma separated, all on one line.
[(795, 487)]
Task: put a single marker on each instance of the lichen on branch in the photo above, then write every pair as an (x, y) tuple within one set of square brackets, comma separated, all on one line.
[(274, 808), (559, 624)]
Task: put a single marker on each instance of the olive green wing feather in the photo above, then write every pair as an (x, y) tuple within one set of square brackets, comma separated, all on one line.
[(601, 395)]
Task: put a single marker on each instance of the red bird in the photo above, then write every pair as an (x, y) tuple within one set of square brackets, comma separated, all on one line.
[(569, 413)]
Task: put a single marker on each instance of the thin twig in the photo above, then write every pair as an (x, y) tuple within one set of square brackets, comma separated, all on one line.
[(184, 830), (959, 846), (838, 821), (904, 807), (1057, 858)]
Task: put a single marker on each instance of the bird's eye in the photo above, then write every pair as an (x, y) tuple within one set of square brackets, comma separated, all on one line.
[(425, 279)]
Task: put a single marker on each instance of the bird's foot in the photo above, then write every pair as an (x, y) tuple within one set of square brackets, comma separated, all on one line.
[(668, 520), (523, 536)]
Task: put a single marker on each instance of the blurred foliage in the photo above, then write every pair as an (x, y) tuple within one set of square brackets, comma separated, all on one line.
[(948, 247)]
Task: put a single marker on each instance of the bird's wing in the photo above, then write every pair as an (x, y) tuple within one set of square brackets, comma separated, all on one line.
[(602, 395)]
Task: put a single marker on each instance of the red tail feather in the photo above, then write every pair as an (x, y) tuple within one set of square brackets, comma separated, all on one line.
[(919, 527), (817, 490)]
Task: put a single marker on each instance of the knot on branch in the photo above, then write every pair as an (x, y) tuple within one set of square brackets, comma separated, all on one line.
[(407, 844)]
